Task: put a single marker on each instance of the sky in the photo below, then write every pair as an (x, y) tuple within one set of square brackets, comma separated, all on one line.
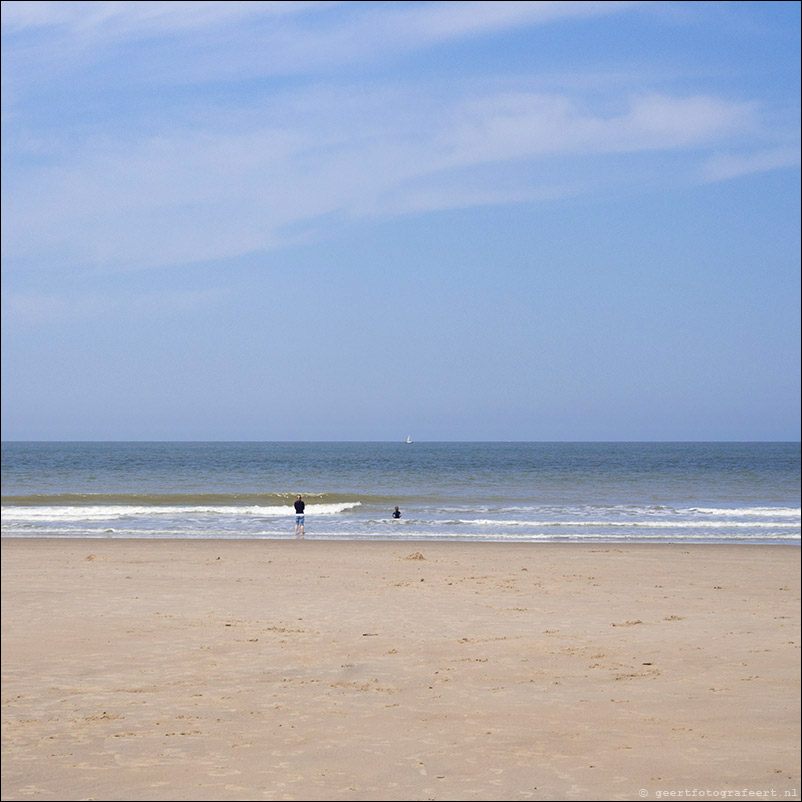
[(366, 220)]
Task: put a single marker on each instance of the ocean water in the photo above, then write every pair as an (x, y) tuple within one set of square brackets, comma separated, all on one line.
[(562, 492)]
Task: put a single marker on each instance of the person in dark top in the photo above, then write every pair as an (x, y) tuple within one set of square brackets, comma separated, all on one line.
[(396, 513), (299, 516)]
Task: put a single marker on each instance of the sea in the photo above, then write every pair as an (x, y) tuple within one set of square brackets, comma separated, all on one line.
[(495, 491)]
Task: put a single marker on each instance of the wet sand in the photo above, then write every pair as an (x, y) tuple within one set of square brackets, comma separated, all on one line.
[(239, 670)]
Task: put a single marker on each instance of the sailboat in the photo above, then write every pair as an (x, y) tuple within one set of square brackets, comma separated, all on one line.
[(408, 440)]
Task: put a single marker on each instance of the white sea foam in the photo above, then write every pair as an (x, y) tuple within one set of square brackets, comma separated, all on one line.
[(591, 537), (105, 532), (749, 512), (582, 536), (624, 524), (106, 513), (630, 510), (559, 523)]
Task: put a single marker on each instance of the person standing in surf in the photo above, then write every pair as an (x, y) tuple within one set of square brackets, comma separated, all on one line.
[(299, 516)]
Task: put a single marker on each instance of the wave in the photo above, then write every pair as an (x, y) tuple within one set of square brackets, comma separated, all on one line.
[(281, 501), (652, 510), (757, 512), (103, 513), (623, 524), (611, 524), (373, 535), (172, 499), (656, 517)]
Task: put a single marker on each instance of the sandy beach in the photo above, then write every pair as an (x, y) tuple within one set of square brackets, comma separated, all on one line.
[(239, 670)]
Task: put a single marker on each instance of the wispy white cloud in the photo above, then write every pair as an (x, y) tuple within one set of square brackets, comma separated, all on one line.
[(724, 166), (228, 40), (142, 17), (430, 21), (191, 196), (196, 180), (525, 125)]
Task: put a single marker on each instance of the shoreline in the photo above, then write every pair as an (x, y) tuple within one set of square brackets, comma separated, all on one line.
[(587, 543), (333, 669)]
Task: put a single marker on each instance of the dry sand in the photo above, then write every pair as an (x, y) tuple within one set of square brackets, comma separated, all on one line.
[(209, 670)]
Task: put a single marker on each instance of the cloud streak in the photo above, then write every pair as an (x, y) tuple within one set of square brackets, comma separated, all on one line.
[(193, 196), (723, 167), (193, 179), (411, 22), (235, 40), (141, 18)]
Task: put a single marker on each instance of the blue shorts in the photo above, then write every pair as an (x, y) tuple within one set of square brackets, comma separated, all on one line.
[(299, 520)]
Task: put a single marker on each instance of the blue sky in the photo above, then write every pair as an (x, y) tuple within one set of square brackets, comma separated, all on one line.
[(358, 221)]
